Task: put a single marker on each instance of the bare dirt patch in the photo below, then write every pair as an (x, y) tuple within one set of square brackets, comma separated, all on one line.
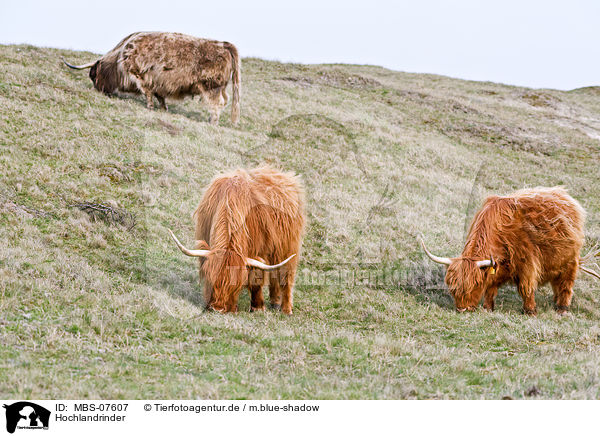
[(341, 79), (335, 79), (540, 99)]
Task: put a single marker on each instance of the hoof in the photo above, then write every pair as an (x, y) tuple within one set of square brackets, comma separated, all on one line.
[(257, 309), (466, 309), (275, 306), (530, 312), (562, 310)]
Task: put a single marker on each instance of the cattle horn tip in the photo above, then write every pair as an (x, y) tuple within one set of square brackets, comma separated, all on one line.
[(77, 67), (260, 265), (186, 251), (436, 259)]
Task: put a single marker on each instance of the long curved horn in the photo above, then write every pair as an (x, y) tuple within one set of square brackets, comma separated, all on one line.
[(488, 263), (485, 263), (258, 264), (590, 272), (437, 259), (78, 67), (187, 252)]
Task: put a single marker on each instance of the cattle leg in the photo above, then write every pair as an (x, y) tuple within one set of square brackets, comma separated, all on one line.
[(232, 306), (216, 103), (287, 299), (490, 297), (224, 95), (149, 101), (215, 114), (161, 102), (257, 301), (563, 289), (208, 291), (527, 291), (275, 291), (288, 277)]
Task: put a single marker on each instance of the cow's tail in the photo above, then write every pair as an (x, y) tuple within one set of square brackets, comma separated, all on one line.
[(236, 82), (587, 259)]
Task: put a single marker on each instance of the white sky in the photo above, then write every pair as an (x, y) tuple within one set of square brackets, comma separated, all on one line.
[(549, 44)]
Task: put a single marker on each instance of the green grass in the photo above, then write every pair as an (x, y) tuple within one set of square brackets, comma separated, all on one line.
[(92, 309)]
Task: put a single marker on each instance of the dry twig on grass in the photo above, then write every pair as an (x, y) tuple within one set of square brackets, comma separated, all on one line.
[(589, 257), (108, 214)]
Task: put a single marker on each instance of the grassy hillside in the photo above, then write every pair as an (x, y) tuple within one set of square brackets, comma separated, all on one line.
[(100, 304)]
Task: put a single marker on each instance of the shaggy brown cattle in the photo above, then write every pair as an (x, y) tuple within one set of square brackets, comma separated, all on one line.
[(530, 238), (245, 216), (170, 65)]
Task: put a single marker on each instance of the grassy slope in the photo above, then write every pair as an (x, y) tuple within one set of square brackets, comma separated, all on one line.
[(91, 309)]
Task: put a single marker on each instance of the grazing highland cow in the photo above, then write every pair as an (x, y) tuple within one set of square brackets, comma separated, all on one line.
[(245, 216), (170, 65), (530, 238)]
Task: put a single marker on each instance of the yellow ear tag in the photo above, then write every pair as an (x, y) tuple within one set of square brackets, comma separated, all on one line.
[(492, 270)]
